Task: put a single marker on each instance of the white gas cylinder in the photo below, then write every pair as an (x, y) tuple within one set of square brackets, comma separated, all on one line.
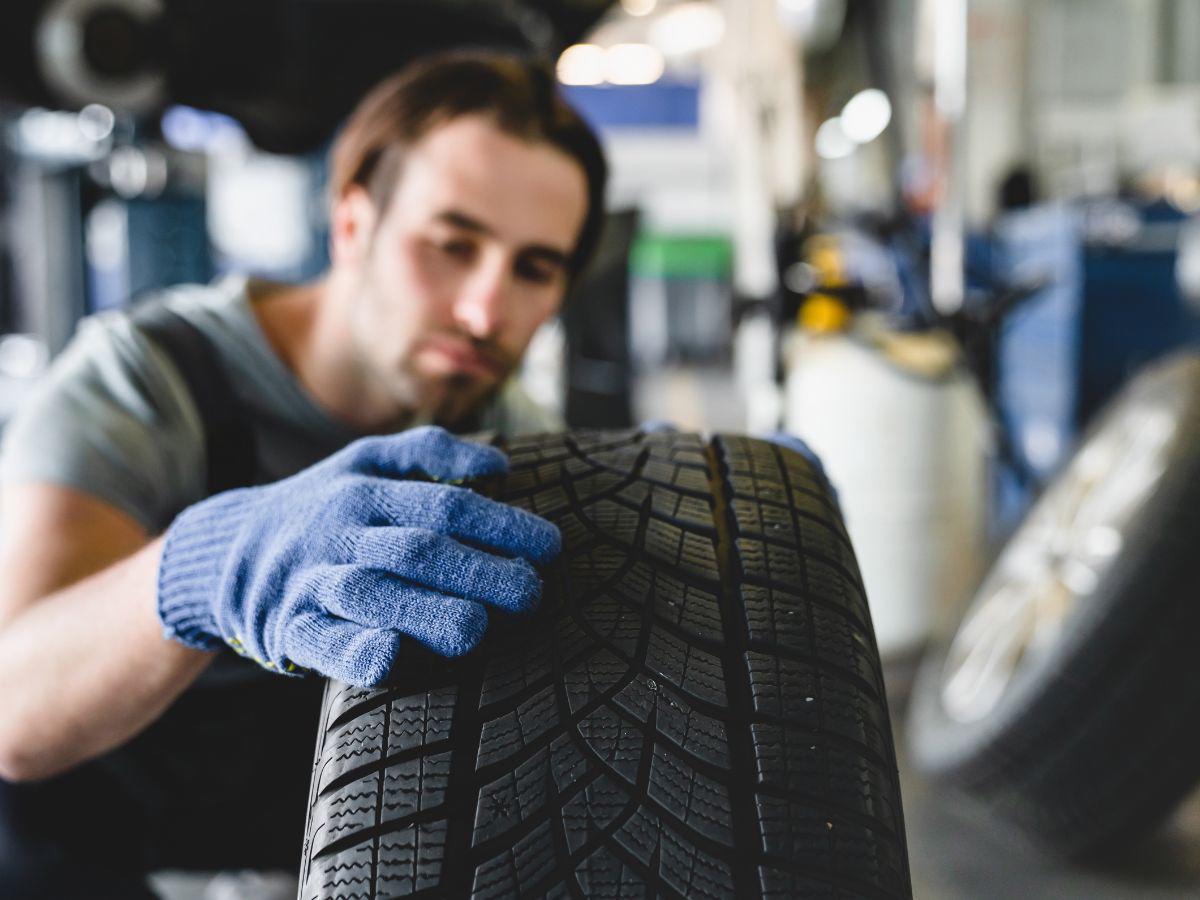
[(902, 432)]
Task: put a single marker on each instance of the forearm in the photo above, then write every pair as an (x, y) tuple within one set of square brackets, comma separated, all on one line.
[(86, 668)]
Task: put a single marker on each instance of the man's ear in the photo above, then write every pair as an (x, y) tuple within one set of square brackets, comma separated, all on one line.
[(352, 222)]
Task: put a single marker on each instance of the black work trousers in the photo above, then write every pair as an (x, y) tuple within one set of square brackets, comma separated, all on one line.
[(219, 782)]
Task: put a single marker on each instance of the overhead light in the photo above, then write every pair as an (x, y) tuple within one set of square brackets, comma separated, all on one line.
[(200, 131), (816, 24), (56, 135), (22, 356), (639, 7), (137, 172), (96, 121), (832, 142), (634, 64), (688, 28), (582, 64), (865, 115)]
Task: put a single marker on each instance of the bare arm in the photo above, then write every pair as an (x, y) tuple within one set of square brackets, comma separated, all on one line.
[(82, 656)]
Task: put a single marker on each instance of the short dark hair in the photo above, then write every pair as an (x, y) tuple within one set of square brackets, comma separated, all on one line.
[(520, 95)]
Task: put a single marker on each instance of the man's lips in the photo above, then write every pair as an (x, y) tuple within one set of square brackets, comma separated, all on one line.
[(465, 358)]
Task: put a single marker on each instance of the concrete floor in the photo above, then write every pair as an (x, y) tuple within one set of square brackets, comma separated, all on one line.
[(226, 886), (959, 852)]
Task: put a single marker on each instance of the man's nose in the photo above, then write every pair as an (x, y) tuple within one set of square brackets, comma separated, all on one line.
[(481, 306)]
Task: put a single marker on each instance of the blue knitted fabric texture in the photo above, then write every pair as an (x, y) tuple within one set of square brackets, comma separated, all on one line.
[(333, 568)]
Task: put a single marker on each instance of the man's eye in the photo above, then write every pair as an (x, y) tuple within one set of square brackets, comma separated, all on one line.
[(458, 249), (536, 274)]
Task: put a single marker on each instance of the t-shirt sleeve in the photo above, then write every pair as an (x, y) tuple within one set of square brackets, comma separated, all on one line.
[(112, 418)]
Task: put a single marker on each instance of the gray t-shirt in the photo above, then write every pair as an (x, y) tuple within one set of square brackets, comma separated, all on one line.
[(114, 418)]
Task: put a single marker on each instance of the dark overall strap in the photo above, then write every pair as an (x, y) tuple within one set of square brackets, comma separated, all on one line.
[(228, 437)]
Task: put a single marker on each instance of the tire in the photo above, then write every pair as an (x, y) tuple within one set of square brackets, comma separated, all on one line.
[(1095, 735), (697, 710)]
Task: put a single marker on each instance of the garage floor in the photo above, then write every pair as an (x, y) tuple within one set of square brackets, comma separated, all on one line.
[(957, 851)]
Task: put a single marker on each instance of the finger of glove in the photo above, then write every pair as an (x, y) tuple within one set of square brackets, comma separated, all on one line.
[(429, 450), (447, 566), (449, 626), (340, 649), (467, 516)]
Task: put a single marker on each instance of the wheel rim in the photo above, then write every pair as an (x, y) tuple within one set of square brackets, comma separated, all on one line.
[(1058, 556)]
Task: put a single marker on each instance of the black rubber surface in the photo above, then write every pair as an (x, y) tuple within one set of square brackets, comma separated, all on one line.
[(1097, 739), (697, 710)]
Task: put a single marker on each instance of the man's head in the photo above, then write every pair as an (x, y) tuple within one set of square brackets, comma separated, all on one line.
[(466, 196)]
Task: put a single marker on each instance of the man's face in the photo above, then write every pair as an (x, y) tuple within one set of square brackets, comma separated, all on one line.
[(468, 259)]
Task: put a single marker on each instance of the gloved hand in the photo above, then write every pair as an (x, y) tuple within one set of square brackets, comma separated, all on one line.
[(331, 568)]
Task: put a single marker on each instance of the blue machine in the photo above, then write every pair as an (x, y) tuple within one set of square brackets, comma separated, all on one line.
[(664, 104), (1112, 305)]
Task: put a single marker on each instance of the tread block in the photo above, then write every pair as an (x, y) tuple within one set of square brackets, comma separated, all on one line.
[(614, 519), (683, 867), (590, 812), (638, 585), (410, 860), (550, 502), (693, 671), (568, 766), (513, 798), (358, 742), (692, 797), (415, 785), (781, 885), (512, 674), (619, 625), (694, 610), (801, 764), (420, 719), (343, 876), (779, 566), (778, 617), (824, 841), (349, 809), (509, 734), (605, 877), (615, 741), (512, 871), (700, 735), (594, 677)]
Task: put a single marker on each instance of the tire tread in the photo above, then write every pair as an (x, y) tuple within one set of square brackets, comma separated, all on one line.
[(697, 710)]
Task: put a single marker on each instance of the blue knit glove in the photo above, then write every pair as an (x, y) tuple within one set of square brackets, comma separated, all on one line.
[(331, 568)]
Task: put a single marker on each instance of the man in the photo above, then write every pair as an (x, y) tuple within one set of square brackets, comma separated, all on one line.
[(466, 195)]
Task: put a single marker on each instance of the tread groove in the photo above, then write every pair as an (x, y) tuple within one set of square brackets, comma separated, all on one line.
[(737, 679)]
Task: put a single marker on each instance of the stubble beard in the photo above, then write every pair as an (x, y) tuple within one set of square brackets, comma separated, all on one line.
[(463, 402)]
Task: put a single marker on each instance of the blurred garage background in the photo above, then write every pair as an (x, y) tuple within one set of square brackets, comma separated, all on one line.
[(935, 238)]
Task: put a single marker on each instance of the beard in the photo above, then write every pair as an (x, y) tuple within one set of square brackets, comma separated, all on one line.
[(425, 389), (463, 401)]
